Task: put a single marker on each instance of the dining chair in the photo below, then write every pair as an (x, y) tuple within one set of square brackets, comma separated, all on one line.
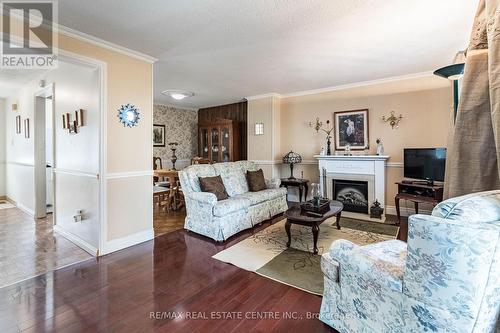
[(175, 196), (158, 165)]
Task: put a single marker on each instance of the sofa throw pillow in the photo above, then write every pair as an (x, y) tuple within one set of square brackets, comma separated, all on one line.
[(213, 185), (256, 180), (235, 182)]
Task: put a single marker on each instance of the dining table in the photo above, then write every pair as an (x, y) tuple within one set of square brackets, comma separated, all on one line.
[(175, 198)]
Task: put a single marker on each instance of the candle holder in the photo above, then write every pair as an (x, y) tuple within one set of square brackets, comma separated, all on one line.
[(318, 126)]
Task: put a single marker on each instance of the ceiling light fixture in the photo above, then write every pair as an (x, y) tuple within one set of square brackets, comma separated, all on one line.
[(178, 94)]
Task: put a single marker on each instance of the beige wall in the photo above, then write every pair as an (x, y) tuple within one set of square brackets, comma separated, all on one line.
[(426, 116), (129, 80), (425, 124), (265, 147)]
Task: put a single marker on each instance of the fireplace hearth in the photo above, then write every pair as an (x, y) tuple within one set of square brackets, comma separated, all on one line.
[(353, 194)]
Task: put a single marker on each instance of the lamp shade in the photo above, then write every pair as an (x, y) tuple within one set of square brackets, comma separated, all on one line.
[(452, 72), (292, 158)]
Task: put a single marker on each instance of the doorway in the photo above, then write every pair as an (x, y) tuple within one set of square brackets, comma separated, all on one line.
[(44, 152)]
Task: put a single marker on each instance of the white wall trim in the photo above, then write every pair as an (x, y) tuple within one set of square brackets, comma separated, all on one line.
[(405, 211), (25, 209), (358, 84), (31, 165), (315, 162), (76, 173), (63, 30), (343, 87), (252, 98), (76, 240), (394, 164), (127, 241), (129, 174), (105, 44)]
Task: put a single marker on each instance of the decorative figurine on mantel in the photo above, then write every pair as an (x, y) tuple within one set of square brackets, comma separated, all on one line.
[(173, 147), (292, 158), (347, 151), (328, 130), (380, 147)]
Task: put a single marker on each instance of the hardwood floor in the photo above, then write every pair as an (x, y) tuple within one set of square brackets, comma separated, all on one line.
[(169, 284), (30, 247), (165, 222), (172, 275)]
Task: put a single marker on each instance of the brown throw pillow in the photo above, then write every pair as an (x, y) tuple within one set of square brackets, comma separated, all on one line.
[(256, 181), (214, 185)]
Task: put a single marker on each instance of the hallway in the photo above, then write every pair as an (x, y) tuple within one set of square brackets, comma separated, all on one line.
[(30, 247)]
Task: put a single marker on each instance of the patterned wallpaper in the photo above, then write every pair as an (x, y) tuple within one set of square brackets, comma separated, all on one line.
[(180, 126)]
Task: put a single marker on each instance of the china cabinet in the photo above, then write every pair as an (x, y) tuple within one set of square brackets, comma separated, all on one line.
[(219, 140)]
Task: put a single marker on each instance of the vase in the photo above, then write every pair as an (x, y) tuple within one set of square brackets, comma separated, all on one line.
[(316, 194)]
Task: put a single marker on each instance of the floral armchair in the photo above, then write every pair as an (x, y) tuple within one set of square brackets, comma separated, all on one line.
[(446, 279)]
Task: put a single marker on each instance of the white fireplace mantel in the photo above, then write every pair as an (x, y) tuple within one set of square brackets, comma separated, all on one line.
[(370, 168)]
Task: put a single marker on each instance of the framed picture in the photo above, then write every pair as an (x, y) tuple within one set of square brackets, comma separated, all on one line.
[(158, 135), (351, 127), (18, 124)]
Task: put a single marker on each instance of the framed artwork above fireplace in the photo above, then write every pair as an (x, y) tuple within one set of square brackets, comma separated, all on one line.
[(351, 128)]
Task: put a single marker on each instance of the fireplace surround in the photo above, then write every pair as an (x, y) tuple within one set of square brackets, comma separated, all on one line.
[(357, 169)]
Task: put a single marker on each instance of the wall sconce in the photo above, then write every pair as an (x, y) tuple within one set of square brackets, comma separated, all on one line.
[(72, 126), (14, 107), (259, 129), (392, 119)]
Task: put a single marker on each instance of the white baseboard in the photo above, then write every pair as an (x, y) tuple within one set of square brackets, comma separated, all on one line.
[(76, 240), (25, 209), (405, 211), (127, 241)]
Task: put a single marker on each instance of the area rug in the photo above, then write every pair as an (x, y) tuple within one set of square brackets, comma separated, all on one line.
[(266, 254)]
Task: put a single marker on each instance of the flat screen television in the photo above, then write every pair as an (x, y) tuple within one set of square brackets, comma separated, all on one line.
[(425, 163)]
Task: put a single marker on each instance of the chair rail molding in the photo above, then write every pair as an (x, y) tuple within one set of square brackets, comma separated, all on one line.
[(129, 174)]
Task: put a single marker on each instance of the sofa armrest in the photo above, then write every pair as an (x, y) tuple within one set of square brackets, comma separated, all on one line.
[(373, 268), (273, 183), (449, 261), (202, 197)]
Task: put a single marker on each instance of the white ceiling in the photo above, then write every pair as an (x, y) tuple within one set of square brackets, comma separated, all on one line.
[(224, 51)]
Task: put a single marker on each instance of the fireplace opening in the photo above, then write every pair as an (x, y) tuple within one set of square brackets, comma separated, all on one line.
[(352, 193)]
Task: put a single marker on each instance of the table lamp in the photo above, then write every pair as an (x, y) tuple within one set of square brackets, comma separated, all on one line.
[(292, 158)]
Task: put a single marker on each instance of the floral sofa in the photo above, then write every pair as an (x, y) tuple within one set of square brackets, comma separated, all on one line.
[(446, 279), (222, 219)]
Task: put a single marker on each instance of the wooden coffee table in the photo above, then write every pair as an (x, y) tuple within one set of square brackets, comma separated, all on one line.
[(295, 216)]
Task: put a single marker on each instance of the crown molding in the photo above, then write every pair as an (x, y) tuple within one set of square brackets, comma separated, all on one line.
[(344, 86), (358, 84), (63, 30), (252, 98), (105, 44)]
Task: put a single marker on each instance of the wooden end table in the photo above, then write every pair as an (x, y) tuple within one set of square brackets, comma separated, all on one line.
[(294, 215), (296, 182)]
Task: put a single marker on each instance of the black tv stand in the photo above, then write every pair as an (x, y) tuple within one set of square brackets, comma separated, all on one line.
[(418, 192)]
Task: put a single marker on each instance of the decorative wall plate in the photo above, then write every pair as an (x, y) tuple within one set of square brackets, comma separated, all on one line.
[(128, 115)]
